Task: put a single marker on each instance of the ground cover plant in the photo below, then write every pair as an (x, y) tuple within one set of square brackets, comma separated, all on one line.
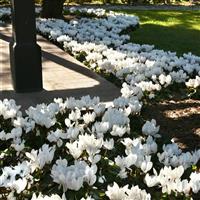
[(83, 150)]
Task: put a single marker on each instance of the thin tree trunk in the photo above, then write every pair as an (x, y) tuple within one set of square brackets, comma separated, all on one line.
[(52, 8)]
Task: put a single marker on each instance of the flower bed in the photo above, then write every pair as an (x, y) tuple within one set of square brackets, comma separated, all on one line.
[(80, 149), (138, 65), (5, 13), (86, 12)]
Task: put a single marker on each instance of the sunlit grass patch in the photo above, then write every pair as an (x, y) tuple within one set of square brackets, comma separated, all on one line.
[(169, 30)]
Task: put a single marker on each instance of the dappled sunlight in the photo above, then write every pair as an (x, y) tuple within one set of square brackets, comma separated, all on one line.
[(172, 38), (167, 18), (168, 24), (178, 113), (197, 131), (169, 30), (178, 119)]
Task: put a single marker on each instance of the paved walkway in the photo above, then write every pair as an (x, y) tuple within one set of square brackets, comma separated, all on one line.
[(63, 76)]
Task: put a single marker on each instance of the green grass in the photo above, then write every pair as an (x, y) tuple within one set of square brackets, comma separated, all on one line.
[(169, 30)]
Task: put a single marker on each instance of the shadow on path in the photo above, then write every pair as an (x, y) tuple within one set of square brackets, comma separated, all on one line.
[(63, 76)]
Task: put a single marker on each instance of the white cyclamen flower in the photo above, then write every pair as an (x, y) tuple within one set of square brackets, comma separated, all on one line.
[(150, 128)]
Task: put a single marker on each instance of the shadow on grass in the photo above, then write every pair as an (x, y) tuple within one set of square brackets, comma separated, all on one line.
[(169, 30), (174, 38), (184, 18)]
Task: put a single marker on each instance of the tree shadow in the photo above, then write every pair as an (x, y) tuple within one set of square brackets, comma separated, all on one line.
[(177, 119), (56, 57), (56, 66), (70, 65), (174, 38), (32, 99), (5, 37)]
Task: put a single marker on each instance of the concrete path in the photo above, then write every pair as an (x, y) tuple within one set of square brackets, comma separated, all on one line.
[(63, 76)]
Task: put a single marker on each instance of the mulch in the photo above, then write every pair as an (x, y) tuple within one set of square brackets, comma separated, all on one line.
[(178, 119)]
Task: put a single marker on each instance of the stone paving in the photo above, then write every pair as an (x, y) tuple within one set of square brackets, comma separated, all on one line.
[(63, 76)]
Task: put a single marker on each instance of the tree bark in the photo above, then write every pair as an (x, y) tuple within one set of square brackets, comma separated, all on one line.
[(52, 8)]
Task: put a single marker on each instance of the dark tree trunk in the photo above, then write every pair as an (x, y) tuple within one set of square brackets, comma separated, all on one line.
[(52, 8)]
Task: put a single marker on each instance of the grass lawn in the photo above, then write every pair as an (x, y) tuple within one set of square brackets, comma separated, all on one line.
[(169, 30)]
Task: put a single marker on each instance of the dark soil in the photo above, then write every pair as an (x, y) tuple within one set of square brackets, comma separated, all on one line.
[(178, 119)]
